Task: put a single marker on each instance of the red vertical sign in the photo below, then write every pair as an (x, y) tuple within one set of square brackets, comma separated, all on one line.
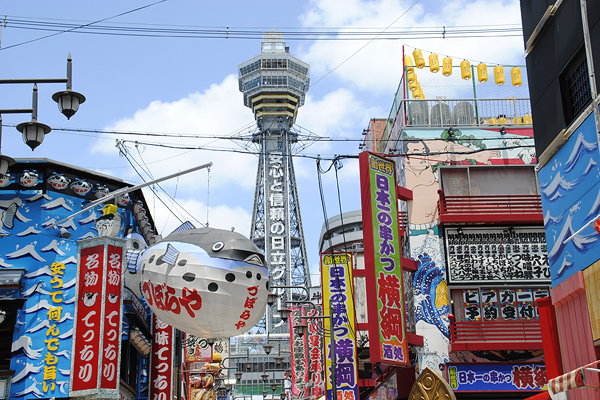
[(112, 318), (299, 359), (161, 367), (316, 355), (87, 337)]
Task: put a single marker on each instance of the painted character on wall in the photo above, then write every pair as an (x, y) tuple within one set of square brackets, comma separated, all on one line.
[(420, 166)]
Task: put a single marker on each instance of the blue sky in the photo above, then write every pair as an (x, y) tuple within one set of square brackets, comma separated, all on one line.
[(189, 85)]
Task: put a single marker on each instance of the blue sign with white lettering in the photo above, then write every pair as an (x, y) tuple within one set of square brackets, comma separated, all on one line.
[(496, 377)]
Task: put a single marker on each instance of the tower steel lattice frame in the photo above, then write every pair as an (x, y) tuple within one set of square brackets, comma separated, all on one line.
[(274, 84)]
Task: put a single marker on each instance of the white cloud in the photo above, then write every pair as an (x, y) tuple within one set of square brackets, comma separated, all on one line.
[(219, 216), (377, 66), (211, 113)]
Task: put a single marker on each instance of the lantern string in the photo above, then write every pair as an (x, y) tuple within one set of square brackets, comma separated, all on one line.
[(472, 61)]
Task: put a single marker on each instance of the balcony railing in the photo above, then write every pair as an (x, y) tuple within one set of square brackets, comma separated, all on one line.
[(509, 209), (509, 111), (495, 335)]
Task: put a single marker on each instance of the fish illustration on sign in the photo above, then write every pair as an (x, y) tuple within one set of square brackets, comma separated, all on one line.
[(81, 187), (5, 180), (101, 191), (29, 178), (58, 181), (206, 282)]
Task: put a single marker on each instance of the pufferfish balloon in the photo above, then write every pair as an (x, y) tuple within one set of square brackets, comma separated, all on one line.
[(207, 282)]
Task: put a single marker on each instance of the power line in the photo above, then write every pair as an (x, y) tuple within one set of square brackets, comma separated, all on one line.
[(76, 27), (209, 32)]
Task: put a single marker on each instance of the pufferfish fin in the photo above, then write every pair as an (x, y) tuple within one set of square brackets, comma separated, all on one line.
[(170, 256), (186, 226), (254, 259), (132, 257)]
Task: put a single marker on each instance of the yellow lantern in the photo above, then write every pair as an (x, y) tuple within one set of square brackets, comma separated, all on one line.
[(502, 120), (411, 76), (527, 119), (419, 60), (417, 94), (465, 69), (434, 63), (499, 75), (482, 72), (492, 121), (517, 80), (447, 66), (414, 85), (408, 64)]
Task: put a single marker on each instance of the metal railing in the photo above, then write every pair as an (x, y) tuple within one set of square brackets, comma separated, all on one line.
[(495, 335), (490, 208), (442, 112)]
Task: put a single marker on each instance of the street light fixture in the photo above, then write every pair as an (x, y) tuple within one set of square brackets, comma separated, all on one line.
[(34, 131), (284, 313), (238, 376)]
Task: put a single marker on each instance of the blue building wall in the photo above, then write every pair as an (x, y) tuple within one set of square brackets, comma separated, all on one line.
[(570, 187)]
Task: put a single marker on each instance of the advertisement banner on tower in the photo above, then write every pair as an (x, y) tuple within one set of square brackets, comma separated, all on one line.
[(385, 296), (337, 284)]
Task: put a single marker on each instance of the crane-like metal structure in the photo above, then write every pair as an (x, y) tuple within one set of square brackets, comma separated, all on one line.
[(274, 84)]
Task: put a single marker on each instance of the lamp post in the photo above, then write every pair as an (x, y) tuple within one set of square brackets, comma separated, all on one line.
[(33, 131)]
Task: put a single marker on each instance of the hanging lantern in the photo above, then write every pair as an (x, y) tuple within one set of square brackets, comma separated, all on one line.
[(515, 73), (408, 64), (527, 119), (414, 85), (465, 69), (447, 66), (434, 63), (482, 72), (499, 75), (411, 77), (417, 93), (419, 60)]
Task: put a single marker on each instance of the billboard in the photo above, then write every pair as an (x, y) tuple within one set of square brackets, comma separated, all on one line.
[(336, 271), (97, 323), (385, 296), (161, 362), (497, 255), (496, 377), (571, 199), (299, 359)]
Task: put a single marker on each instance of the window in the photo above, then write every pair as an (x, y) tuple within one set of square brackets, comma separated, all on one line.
[(575, 87)]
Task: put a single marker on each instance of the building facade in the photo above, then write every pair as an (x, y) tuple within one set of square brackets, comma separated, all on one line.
[(562, 42), (39, 261), (464, 148)]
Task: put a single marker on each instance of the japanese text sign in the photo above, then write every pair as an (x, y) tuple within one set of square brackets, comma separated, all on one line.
[(299, 357), (496, 377), (97, 327), (161, 364), (316, 354), (337, 287), (385, 296)]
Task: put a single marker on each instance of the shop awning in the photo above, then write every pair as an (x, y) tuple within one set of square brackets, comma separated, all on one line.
[(573, 379)]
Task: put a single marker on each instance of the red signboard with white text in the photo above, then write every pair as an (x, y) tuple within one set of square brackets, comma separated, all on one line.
[(161, 365), (97, 324), (112, 318), (88, 311)]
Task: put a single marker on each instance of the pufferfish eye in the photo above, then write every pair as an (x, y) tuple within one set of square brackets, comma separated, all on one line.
[(218, 246)]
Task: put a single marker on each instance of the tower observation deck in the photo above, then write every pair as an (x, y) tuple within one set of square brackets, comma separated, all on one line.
[(274, 84)]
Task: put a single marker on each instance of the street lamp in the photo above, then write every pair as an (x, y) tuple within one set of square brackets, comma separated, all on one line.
[(33, 131)]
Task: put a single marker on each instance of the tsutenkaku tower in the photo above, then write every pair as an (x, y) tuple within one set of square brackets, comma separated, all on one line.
[(274, 84)]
